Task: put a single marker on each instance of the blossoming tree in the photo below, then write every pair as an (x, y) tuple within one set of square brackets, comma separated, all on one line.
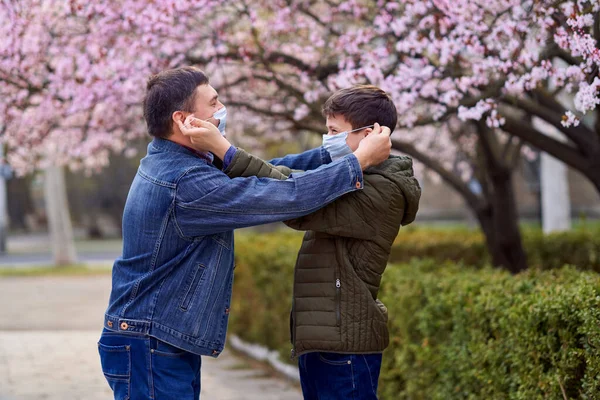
[(467, 76), (495, 65)]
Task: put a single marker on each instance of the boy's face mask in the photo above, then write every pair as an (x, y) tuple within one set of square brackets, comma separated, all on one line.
[(336, 144)]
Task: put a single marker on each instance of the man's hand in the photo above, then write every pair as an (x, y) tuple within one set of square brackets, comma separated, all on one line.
[(375, 148), (204, 136)]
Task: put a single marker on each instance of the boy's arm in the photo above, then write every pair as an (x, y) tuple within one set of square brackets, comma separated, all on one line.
[(244, 164)]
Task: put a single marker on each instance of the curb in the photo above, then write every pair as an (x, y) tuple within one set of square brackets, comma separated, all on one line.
[(261, 353)]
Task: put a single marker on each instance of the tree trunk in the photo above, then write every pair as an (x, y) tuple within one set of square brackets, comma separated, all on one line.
[(3, 212), (495, 208), (499, 223), (59, 220)]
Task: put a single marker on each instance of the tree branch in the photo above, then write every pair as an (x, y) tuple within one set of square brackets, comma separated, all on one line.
[(475, 202), (581, 135), (553, 50), (300, 125), (529, 134)]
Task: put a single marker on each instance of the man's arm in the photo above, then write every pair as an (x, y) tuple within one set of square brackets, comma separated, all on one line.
[(348, 216), (309, 160), (353, 215), (208, 202)]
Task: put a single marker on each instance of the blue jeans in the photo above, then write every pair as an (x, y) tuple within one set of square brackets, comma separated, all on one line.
[(138, 366), (330, 376)]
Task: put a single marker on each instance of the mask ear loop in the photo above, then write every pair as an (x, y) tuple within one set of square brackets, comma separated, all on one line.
[(360, 129)]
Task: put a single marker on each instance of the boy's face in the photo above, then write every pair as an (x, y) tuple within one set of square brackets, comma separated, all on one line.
[(337, 124)]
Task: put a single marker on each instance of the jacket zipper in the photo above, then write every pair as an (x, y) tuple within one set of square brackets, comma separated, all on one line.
[(293, 319), (338, 285), (293, 330)]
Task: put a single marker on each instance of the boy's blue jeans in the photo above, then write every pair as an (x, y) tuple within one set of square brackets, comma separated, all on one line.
[(332, 376), (138, 366)]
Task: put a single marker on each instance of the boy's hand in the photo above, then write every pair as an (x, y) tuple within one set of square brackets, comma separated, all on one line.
[(375, 148), (204, 136)]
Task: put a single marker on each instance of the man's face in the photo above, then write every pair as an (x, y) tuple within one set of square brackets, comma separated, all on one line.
[(338, 124), (207, 103)]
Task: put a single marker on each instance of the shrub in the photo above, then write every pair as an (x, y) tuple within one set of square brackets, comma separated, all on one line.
[(459, 333), (262, 299), (456, 332), (580, 248)]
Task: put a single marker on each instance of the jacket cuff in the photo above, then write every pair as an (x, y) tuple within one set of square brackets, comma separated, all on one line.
[(229, 157), (325, 156), (356, 173)]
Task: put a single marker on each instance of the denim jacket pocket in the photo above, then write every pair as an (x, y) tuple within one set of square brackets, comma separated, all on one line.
[(116, 366), (193, 281)]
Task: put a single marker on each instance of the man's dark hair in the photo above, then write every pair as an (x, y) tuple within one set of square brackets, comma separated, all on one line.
[(169, 91), (362, 105)]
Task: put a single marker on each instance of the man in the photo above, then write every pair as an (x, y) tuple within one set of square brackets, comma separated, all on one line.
[(171, 287), (338, 326)]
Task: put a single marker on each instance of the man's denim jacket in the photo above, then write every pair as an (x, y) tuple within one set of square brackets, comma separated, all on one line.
[(175, 276)]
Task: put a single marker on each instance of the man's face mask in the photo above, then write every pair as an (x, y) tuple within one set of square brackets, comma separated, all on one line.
[(221, 115), (336, 144)]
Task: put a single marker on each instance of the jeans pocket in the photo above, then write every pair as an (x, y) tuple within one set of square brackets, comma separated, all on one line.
[(116, 366), (166, 350), (335, 358), (175, 372)]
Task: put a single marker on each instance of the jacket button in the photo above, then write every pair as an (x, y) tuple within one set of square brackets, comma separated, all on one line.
[(124, 326), (110, 324), (358, 185)]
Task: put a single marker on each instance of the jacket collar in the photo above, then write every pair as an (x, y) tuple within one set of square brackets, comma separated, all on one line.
[(160, 145)]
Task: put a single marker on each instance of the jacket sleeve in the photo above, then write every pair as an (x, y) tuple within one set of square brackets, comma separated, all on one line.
[(244, 165), (207, 201), (354, 215), (306, 161)]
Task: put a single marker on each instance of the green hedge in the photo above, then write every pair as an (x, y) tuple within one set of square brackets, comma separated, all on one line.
[(459, 333), (578, 247), (456, 332), (264, 273)]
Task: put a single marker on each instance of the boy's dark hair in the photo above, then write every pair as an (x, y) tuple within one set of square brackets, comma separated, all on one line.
[(362, 105), (169, 91)]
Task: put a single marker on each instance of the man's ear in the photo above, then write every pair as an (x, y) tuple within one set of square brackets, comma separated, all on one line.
[(368, 131), (179, 116)]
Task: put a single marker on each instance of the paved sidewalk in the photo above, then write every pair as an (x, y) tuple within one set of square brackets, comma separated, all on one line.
[(48, 334)]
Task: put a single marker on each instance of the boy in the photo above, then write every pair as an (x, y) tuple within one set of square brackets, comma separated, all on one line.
[(338, 326)]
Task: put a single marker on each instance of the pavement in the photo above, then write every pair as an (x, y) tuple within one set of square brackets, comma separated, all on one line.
[(49, 327), (34, 250)]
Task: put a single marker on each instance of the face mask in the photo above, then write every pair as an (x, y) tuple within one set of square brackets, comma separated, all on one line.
[(221, 115), (336, 144)]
